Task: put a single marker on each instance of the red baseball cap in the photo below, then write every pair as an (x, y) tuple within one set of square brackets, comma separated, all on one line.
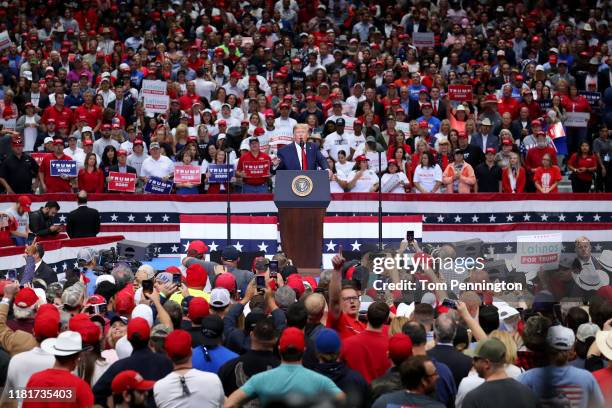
[(260, 131), (89, 331), (291, 337), (395, 101), (122, 152), (295, 282), (491, 150), (507, 142), (198, 309), (400, 347), (173, 270), (130, 380), (26, 297), (361, 158), (178, 344), (536, 122), (25, 203), (138, 326), (46, 325), (196, 276), (226, 280), (423, 124), (124, 303), (89, 142), (106, 126)]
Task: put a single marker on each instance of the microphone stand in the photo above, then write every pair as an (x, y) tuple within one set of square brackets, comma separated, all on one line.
[(228, 211), (380, 223)]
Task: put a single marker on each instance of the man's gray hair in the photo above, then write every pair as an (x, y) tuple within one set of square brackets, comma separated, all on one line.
[(123, 274), (284, 297), (445, 328)]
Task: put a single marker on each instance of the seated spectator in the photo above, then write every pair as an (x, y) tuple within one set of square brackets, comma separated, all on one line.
[(362, 178)]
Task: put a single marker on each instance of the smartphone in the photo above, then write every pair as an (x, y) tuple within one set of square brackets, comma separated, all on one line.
[(260, 281), (147, 286), (100, 309), (450, 303), (11, 275), (409, 236), (176, 279), (273, 268)]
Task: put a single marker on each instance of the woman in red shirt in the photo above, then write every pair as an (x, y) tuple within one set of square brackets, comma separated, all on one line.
[(91, 178), (573, 102), (583, 165), (513, 176), (547, 176)]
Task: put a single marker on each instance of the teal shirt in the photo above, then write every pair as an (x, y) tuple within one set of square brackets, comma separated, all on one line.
[(288, 379)]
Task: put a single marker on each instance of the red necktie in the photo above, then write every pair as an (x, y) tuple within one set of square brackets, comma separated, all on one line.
[(435, 111), (304, 161)]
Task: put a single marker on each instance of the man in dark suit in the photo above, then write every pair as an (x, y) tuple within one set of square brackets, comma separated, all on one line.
[(460, 365), (291, 157), (41, 269), (377, 107), (121, 166), (40, 100), (124, 105), (485, 139), (84, 221)]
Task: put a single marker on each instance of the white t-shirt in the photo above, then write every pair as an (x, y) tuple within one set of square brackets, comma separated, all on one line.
[(205, 390), (365, 182), (285, 123), (345, 168), (136, 162), (335, 142), (427, 177), (163, 167), (204, 88), (391, 183), (22, 220)]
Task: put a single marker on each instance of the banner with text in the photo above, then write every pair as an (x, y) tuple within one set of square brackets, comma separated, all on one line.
[(125, 182), (256, 168), (158, 186), (220, 173), (423, 40), (187, 174), (460, 93), (64, 168)]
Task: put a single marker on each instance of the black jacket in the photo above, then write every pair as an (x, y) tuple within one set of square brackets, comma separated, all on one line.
[(459, 364), (348, 380), (83, 222), (43, 272), (115, 168), (40, 224)]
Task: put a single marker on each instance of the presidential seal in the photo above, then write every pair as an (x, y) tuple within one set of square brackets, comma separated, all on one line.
[(301, 186)]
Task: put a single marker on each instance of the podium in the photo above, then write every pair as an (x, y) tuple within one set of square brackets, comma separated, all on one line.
[(302, 197)]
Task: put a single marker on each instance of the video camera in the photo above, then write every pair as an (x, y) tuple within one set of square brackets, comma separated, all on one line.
[(108, 258)]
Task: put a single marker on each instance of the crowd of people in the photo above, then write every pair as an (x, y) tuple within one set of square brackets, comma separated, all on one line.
[(212, 334), (487, 98)]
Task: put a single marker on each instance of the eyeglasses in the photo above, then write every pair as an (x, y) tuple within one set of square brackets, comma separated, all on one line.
[(350, 299)]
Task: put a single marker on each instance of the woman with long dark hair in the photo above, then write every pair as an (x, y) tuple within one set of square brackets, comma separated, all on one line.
[(109, 158), (583, 165), (427, 175)]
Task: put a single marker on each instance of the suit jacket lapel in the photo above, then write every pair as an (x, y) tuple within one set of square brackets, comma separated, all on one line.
[(297, 154)]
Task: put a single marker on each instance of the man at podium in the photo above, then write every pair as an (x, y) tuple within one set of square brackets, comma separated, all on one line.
[(300, 155)]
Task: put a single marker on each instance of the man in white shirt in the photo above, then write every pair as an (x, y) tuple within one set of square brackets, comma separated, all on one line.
[(337, 140), (138, 156), (107, 94), (353, 100), (186, 386), (284, 121), (21, 213), (204, 86), (156, 165), (73, 150), (129, 144), (105, 140)]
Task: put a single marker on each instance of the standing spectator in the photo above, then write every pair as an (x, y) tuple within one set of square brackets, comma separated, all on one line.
[(66, 348), (604, 376), (602, 148), (583, 165), (54, 184), (343, 304), (485, 138), (138, 156), (445, 329), (498, 389), (400, 348), (156, 165), (250, 158), (514, 176), (41, 221), (130, 389), (547, 176), (105, 140), (18, 170), (427, 175), (20, 212), (533, 160), (488, 174), (83, 222), (459, 178), (288, 378), (559, 380), (419, 377), (366, 352), (211, 355), (91, 178), (186, 386)]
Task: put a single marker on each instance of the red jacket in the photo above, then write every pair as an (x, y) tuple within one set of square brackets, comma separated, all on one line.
[(534, 109), (578, 104), (91, 182), (520, 181)]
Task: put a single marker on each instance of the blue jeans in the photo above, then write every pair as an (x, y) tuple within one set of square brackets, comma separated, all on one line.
[(251, 189)]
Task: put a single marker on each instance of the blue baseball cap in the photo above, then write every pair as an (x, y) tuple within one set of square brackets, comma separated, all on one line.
[(230, 253), (327, 341)]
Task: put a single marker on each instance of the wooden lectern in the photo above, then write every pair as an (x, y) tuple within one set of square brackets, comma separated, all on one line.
[(302, 197)]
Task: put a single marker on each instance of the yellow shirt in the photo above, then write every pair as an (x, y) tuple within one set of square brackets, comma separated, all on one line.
[(178, 296)]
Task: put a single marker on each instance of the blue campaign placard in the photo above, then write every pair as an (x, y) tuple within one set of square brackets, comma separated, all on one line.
[(64, 168), (220, 173), (158, 186)]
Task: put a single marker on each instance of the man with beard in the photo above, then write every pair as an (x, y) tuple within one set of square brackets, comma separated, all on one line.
[(130, 390)]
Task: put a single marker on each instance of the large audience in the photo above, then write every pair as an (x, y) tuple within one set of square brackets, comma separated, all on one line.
[(403, 97)]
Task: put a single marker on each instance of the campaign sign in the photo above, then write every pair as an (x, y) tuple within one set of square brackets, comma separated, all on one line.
[(187, 174), (576, 119), (156, 103), (592, 97), (423, 40), (38, 157), (158, 186), (538, 252), (460, 93), (256, 168), (403, 126), (64, 168), (125, 182), (153, 87), (5, 40), (220, 173)]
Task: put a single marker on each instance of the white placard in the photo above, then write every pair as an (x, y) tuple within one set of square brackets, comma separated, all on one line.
[(404, 127), (538, 252), (423, 40), (5, 40), (153, 87), (156, 103), (576, 119)]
